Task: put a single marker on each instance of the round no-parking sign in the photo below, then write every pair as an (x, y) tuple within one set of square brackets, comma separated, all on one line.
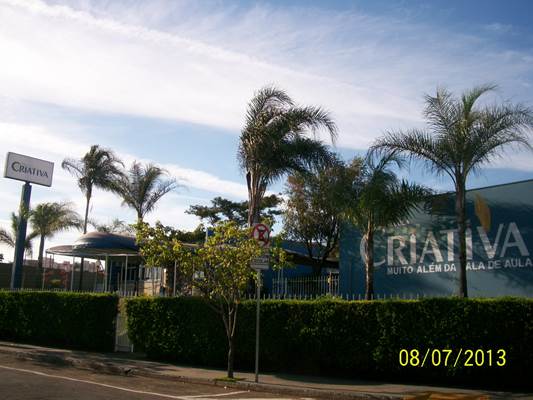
[(261, 233)]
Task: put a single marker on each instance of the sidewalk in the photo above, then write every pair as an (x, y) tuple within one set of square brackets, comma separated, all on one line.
[(294, 385)]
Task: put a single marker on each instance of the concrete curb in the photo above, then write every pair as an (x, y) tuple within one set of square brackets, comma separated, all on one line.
[(109, 367)]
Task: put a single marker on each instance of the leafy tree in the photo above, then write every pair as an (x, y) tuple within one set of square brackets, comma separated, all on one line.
[(223, 209), (315, 207), (99, 168), (462, 137), (47, 219), (382, 201), (156, 244), (157, 247), (10, 238), (219, 269), (274, 142), (143, 186)]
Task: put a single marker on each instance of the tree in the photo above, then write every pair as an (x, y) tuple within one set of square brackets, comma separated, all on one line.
[(274, 142), (116, 226), (99, 168), (382, 201), (315, 207), (237, 211), (10, 238), (219, 269), (47, 219), (462, 137), (143, 186), (157, 247)]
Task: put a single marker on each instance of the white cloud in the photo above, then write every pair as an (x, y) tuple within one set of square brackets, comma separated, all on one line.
[(200, 63), (164, 60), (39, 141)]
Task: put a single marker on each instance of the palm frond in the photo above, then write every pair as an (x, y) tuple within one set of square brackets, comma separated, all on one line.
[(47, 219), (7, 238), (143, 187), (463, 136), (415, 144)]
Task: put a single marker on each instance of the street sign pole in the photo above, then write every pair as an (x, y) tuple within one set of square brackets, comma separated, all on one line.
[(18, 260), (261, 233), (257, 324)]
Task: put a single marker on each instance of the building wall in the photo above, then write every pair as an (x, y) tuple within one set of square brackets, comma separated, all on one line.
[(421, 256)]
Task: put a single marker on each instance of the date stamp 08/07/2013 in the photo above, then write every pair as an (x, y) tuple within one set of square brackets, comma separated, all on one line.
[(453, 358)]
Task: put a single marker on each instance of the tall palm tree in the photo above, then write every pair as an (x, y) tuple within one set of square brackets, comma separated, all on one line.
[(10, 238), (382, 201), (99, 168), (47, 219), (462, 138), (274, 142), (143, 187)]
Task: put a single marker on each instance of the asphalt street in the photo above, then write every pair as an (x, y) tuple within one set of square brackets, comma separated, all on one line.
[(25, 380)]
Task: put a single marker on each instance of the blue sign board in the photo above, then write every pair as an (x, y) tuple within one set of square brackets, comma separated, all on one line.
[(420, 257)]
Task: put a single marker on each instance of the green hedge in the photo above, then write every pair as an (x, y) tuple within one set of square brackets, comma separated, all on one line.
[(344, 338), (83, 321)]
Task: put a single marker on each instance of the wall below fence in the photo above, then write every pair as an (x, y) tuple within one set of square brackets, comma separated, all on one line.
[(54, 278)]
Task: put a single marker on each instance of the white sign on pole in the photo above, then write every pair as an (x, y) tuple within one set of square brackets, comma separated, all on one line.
[(28, 169), (262, 262), (261, 233)]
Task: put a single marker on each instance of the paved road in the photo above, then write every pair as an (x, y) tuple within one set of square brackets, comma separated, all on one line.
[(25, 380)]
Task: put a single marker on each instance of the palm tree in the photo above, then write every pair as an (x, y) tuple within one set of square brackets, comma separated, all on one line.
[(274, 142), (382, 201), (116, 226), (10, 238), (461, 139), (99, 168), (143, 187), (47, 219)]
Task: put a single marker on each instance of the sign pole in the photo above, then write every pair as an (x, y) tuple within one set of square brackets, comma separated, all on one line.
[(257, 321), (261, 233), (18, 260)]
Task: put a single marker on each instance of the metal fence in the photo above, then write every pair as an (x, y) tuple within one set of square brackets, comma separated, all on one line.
[(306, 286)]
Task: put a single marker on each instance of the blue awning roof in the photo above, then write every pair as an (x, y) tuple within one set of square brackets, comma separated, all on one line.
[(94, 244)]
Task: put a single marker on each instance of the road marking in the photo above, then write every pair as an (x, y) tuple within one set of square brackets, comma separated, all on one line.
[(201, 396), (66, 378), (168, 396)]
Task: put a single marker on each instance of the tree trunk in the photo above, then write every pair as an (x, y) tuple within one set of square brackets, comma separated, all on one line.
[(250, 198), (255, 194), (41, 252), (80, 286), (369, 264), (88, 198), (231, 356), (230, 325), (461, 229)]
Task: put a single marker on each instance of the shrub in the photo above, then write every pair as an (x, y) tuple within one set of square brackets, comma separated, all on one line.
[(82, 321), (344, 338)]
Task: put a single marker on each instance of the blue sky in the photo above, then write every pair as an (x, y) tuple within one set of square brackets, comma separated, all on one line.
[(168, 82)]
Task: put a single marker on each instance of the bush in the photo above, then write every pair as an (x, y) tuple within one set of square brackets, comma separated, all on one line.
[(81, 321), (344, 338)]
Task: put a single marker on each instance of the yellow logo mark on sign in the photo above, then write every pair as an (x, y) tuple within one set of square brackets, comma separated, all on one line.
[(482, 212)]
